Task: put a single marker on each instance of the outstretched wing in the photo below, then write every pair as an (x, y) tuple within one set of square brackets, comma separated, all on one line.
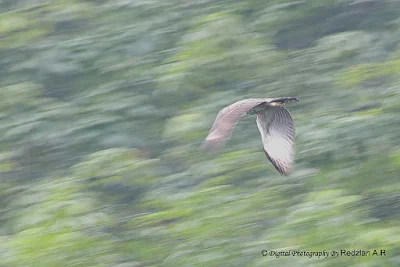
[(277, 134), (226, 120)]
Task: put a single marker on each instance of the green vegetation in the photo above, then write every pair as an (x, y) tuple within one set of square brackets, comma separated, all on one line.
[(104, 105)]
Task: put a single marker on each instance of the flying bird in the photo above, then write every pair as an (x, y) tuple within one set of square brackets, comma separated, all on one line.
[(273, 121)]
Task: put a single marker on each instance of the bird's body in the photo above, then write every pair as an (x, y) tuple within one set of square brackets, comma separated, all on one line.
[(274, 123)]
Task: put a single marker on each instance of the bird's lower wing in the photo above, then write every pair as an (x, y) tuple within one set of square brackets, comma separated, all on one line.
[(277, 134)]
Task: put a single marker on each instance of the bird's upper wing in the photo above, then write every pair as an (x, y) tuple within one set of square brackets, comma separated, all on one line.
[(277, 134), (225, 122)]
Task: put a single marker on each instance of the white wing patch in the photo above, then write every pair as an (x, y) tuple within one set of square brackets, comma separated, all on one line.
[(277, 133)]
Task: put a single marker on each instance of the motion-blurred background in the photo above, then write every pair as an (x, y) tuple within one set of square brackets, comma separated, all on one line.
[(104, 104)]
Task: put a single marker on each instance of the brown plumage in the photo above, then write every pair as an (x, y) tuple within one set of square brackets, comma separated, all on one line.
[(274, 123)]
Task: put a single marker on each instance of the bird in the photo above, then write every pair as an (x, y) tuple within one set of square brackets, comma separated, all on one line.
[(274, 122)]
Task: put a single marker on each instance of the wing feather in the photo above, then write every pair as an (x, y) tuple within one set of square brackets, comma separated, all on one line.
[(226, 120), (277, 134)]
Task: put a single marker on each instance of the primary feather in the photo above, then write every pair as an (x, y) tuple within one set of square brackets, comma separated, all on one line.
[(277, 134)]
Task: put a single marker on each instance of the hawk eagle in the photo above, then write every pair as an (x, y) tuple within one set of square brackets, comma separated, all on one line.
[(274, 123)]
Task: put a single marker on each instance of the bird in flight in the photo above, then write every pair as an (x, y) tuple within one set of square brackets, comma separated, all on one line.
[(274, 123)]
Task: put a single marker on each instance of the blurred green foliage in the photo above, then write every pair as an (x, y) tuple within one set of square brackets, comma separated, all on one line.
[(104, 104)]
